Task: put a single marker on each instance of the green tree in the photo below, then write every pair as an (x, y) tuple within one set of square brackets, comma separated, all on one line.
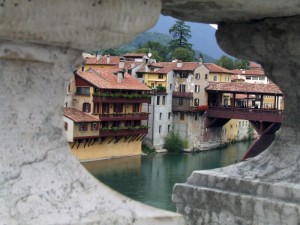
[(154, 53), (155, 46), (241, 64), (173, 142), (180, 33), (231, 64), (226, 62), (183, 54)]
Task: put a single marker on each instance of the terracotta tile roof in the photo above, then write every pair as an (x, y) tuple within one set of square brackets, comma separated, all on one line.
[(249, 72), (213, 68), (103, 60), (130, 65), (187, 66), (134, 55), (104, 78), (167, 67), (79, 116), (243, 88), (254, 65)]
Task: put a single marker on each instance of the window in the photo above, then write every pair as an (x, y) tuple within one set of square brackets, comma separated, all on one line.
[(96, 107), (86, 107), (83, 90), (105, 108), (160, 114), (215, 78), (66, 126), (95, 126), (254, 78), (196, 102), (140, 75), (181, 101), (182, 87), (118, 108), (197, 76), (181, 116), (248, 78), (159, 129), (152, 85), (170, 87), (164, 100), (169, 127), (197, 88), (83, 127), (157, 100), (169, 115), (136, 107), (206, 76), (160, 76), (261, 78)]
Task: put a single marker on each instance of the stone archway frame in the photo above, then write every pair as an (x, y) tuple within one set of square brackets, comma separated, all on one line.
[(41, 42)]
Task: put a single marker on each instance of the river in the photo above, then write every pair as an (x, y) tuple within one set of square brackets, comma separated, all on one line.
[(150, 179)]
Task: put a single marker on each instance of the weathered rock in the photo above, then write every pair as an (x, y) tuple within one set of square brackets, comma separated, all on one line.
[(262, 190), (228, 11)]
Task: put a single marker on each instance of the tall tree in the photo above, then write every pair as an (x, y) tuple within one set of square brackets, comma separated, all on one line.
[(226, 62), (180, 33), (161, 50), (183, 54)]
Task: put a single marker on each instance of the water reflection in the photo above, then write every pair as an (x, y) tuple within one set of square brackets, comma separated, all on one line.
[(150, 179)]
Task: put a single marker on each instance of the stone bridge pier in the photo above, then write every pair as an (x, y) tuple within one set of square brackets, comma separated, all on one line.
[(40, 46)]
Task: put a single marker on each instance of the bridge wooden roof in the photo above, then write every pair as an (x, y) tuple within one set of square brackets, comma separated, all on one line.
[(244, 88)]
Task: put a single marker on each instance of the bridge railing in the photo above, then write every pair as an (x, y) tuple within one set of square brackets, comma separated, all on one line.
[(272, 115)]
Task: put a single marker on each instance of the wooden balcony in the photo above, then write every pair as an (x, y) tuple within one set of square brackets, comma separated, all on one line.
[(177, 94), (185, 108), (267, 115), (124, 116), (101, 99), (122, 132)]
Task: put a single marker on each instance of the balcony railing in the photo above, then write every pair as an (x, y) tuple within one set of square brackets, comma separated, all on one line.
[(108, 99), (268, 115), (178, 94), (178, 108), (124, 116), (116, 131)]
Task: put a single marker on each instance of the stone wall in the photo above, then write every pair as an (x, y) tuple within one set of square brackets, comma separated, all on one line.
[(38, 184)]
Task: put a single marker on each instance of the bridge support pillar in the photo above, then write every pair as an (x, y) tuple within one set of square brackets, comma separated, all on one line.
[(264, 189)]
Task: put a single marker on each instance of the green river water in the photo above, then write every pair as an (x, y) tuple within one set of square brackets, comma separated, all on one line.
[(150, 179)]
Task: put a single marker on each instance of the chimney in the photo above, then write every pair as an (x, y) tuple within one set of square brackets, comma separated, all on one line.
[(179, 63), (200, 61), (120, 77), (98, 57), (122, 63), (108, 59)]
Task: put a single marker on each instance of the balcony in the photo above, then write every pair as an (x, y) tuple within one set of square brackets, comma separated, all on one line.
[(123, 131), (122, 99), (177, 94), (186, 108), (124, 116), (267, 115)]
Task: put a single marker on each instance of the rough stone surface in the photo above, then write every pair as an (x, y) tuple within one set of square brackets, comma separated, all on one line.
[(41, 182), (88, 24), (265, 189), (227, 11)]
